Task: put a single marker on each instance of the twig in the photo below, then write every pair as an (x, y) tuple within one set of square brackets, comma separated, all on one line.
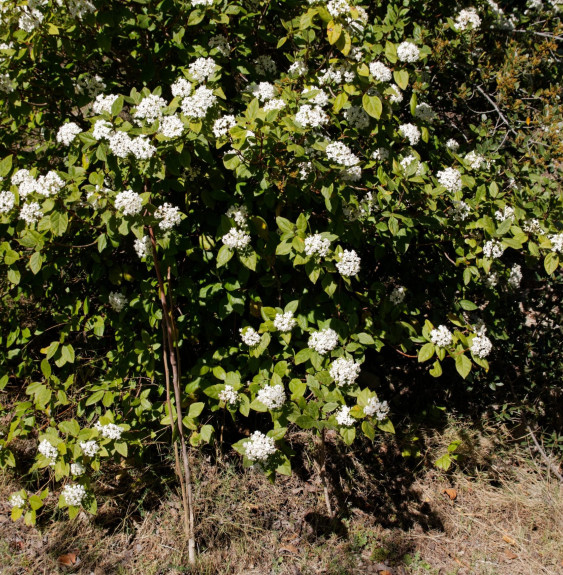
[(495, 106), (542, 452)]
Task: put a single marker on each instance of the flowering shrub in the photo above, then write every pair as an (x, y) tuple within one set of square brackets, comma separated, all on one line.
[(269, 192)]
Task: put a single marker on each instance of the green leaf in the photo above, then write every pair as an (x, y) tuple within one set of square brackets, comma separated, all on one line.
[(468, 305), (366, 339), (372, 105), (5, 166), (401, 78), (249, 260), (306, 422), (59, 223), (333, 31), (303, 355), (436, 370), (121, 448), (348, 434), (426, 352), (443, 462), (35, 262), (195, 409), (551, 262), (368, 430), (386, 425), (391, 52), (463, 365), (67, 353), (224, 255), (95, 397)]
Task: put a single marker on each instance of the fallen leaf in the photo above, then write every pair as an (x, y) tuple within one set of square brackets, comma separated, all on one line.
[(290, 548), (451, 493), (68, 560), (385, 572), (509, 555), (508, 540)]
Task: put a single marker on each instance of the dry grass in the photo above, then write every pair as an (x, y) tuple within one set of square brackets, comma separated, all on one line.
[(507, 519)]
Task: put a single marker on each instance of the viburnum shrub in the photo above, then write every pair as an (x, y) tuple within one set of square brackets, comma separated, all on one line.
[(223, 206)]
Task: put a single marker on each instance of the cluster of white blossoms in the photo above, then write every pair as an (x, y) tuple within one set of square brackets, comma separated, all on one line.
[(229, 395), (408, 52), (452, 145), (77, 469), (320, 97), (47, 185), (197, 105), (344, 418), (169, 216), (381, 154), (7, 201), (317, 245), (305, 169), (450, 178), (556, 242), (380, 72), (313, 116), (341, 154), (338, 8), (222, 125), (493, 249), (74, 494), (285, 322), (6, 84), (31, 213), (349, 264), (259, 447), (410, 132), (395, 95), (265, 65), (181, 88), (239, 213), (424, 112), (334, 75), (102, 130), (104, 103), (249, 336), (16, 500), (344, 371), (532, 226), (220, 43), (468, 19), (357, 117), (236, 239), (149, 109), (474, 160), (110, 430), (89, 448), (79, 8), (409, 160), (275, 104), (30, 17), (298, 68), (442, 336), (48, 450), (264, 91), (90, 85), (128, 202), (117, 301), (323, 341), (121, 145), (171, 126), (515, 276), (352, 174), (202, 69), (377, 408), (506, 214), (142, 247), (202, 3), (67, 133), (272, 396), (460, 210), (397, 295), (481, 345)]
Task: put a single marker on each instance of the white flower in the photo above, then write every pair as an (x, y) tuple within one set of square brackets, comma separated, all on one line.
[(450, 178), (265, 65), (236, 239), (442, 336), (515, 276), (239, 214), (143, 247), (320, 97), (349, 264), (493, 249), (285, 321), (110, 430), (474, 160), (6, 84), (323, 341), (102, 130), (31, 213), (305, 169), (48, 450), (120, 144), (397, 296), (129, 203), (380, 154), (141, 148), (196, 106), (275, 104), (424, 112), (378, 408), (171, 126), (344, 418), (74, 494), (104, 103), (461, 210), (229, 395), (344, 371), (259, 447), (313, 116), (556, 242), (532, 226), (67, 133), (169, 216), (89, 448), (492, 279), (78, 8), (202, 69), (77, 469), (222, 125), (249, 336), (395, 95), (408, 52), (30, 17), (117, 301), (181, 88), (341, 154), (317, 245), (410, 159), (263, 91), (481, 346), (468, 18), (452, 145), (352, 174), (7, 201), (357, 117), (298, 68), (16, 500), (50, 184), (338, 8), (506, 214), (272, 396), (202, 3), (410, 132), (149, 109), (220, 43), (380, 72)]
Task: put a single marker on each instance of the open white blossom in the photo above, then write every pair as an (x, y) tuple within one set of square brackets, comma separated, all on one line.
[(338, 8), (48, 450), (171, 126), (110, 430), (341, 154), (344, 371), (239, 213), (31, 213), (285, 322), (67, 133), (16, 500), (259, 447), (236, 239), (298, 68), (202, 3), (344, 418), (410, 132), (515, 276), (149, 109), (408, 52), (120, 144), (229, 395), (264, 91), (506, 214), (409, 160), (169, 216), (397, 296), (49, 185), (7, 201), (395, 94), (249, 336), (141, 148), (74, 494), (202, 69), (317, 245), (128, 202), (313, 116), (556, 242), (481, 346), (275, 104), (377, 408), (442, 336), (117, 301), (380, 154), (450, 178), (181, 88), (474, 160), (380, 72), (349, 263), (102, 130), (351, 174), (272, 396), (77, 469), (315, 95), (532, 226), (6, 84), (468, 19), (452, 145), (196, 106), (143, 247), (323, 341), (222, 125), (493, 249), (89, 448), (104, 103)]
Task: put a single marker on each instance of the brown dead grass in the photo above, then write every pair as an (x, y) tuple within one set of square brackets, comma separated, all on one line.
[(507, 519)]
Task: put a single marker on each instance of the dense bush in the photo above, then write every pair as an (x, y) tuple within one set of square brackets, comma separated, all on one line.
[(232, 206)]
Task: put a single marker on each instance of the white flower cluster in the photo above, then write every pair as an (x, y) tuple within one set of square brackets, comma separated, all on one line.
[(442, 336), (171, 126), (357, 117), (7, 201), (181, 88), (121, 145), (222, 125), (353, 174), (196, 106), (30, 17), (474, 160), (452, 145), (341, 154), (410, 132), (6, 84), (142, 247), (129, 203), (493, 249), (378, 408), (408, 52), (79, 8), (468, 19), (229, 395), (323, 341), (285, 322), (506, 214), (333, 75), (89, 448), (239, 214), (31, 213), (410, 159), (220, 43), (202, 69), (344, 371), (117, 301), (481, 345), (349, 264), (272, 396), (556, 242), (104, 103), (344, 418), (397, 295), (202, 3), (16, 500), (47, 185), (320, 97), (515, 276), (298, 68), (532, 226), (380, 72), (461, 210), (381, 154), (102, 130), (236, 239), (317, 245), (395, 95), (259, 447), (265, 65), (48, 450), (74, 494), (149, 109), (169, 216), (249, 336), (313, 116), (77, 469), (450, 178), (67, 133), (110, 430), (275, 104), (338, 8), (264, 91), (91, 85), (424, 112)]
